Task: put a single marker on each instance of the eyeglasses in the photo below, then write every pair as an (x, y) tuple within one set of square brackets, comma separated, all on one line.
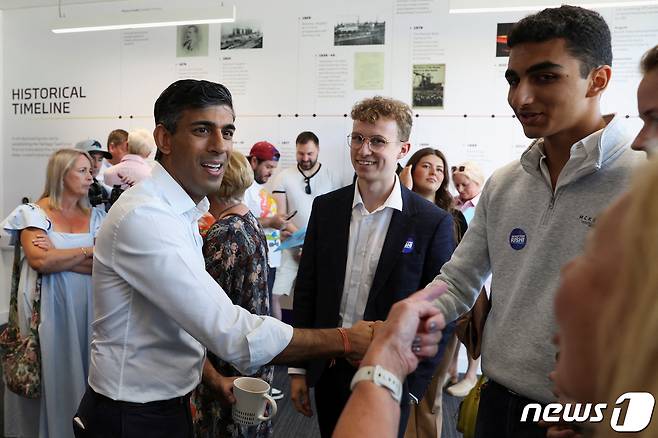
[(307, 189), (375, 142), (460, 168)]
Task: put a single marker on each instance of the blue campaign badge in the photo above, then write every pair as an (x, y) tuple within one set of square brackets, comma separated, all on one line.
[(408, 246), (518, 239)]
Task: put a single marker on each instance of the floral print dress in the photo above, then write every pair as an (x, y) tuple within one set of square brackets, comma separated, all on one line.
[(235, 251)]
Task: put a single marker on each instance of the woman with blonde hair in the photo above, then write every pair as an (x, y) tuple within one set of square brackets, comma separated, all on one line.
[(628, 325), (235, 251), (57, 237)]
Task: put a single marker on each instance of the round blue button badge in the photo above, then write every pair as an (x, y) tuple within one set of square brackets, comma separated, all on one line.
[(518, 239)]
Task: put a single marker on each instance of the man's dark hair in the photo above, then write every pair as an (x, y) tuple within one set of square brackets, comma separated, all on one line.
[(586, 33), (117, 136), (187, 94), (649, 60), (307, 136)]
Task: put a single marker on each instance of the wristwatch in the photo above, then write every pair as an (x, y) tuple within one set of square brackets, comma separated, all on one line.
[(380, 377)]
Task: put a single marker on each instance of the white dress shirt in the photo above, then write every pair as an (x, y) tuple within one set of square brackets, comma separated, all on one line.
[(366, 240), (156, 306), (367, 234)]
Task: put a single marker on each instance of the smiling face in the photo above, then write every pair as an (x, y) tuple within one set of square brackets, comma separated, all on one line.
[(195, 154), (647, 107), (428, 174), (586, 283), (78, 178), (547, 92), (307, 155), (381, 165)]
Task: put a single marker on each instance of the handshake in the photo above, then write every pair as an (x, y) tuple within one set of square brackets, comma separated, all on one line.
[(411, 333)]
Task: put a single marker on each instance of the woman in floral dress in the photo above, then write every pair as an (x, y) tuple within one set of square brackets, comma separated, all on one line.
[(235, 251)]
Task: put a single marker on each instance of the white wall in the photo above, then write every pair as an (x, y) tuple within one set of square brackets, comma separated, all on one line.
[(278, 89), (295, 72), (5, 252)]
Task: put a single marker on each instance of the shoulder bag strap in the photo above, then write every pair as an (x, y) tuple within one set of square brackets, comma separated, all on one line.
[(12, 321)]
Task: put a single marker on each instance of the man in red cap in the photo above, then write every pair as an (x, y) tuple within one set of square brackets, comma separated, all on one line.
[(264, 159)]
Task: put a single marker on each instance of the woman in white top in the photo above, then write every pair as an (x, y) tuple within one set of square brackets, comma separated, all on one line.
[(57, 236)]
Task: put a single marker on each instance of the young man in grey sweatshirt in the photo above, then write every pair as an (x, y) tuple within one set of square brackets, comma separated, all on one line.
[(534, 213)]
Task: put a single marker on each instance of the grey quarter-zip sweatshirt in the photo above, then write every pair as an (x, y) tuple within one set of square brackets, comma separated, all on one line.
[(523, 232)]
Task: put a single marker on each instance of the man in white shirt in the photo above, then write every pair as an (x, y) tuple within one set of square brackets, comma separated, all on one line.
[(294, 190), (368, 246), (155, 305)]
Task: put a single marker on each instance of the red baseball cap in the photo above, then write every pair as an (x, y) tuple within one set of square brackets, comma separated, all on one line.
[(265, 151)]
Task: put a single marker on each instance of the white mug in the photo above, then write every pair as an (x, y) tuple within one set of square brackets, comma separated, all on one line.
[(251, 398)]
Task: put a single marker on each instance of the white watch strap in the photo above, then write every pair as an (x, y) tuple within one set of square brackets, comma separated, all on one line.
[(381, 377)]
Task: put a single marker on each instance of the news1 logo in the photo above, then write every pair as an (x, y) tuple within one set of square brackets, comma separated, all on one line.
[(632, 412)]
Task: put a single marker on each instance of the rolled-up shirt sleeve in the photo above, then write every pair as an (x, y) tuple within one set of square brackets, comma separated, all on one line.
[(167, 268)]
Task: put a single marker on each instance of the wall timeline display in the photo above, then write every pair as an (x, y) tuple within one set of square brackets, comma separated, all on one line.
[(192, 40), (428, 85), (292, 66), (242, 35), (502, 31), (359, 33)]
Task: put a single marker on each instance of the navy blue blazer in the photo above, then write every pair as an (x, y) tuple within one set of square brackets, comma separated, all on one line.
[(321, 275)]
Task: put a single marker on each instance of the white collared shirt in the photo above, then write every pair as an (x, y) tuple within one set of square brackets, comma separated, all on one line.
[(155, 306), (367, 234), (364, 247)]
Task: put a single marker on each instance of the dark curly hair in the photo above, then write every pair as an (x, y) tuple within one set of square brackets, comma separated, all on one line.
[(586, 33)]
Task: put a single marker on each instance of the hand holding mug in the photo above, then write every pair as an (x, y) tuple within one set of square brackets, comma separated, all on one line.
[(251, 398)]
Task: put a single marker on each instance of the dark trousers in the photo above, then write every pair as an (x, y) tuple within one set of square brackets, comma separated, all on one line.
[(271, 276), (499, 414), (331, 393), (103, 417)]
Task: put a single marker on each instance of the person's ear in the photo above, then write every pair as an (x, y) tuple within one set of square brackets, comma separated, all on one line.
[(162, 139), (599, 80), (404, 150)]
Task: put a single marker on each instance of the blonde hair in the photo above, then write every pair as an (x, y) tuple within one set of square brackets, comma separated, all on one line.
[(238, 177), (59, 164), (471, 171), (628, 325), (140, 142)]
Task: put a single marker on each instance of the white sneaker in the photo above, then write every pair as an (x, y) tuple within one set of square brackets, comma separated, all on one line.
[(462, 388), (277, 394)]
